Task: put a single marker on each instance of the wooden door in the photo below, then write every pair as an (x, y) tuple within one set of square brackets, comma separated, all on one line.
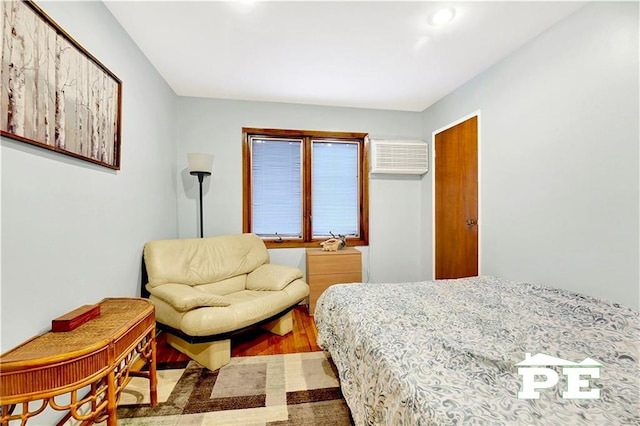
[(456, 200)]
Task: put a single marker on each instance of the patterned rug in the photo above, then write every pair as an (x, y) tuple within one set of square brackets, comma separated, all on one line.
[(272, 390)]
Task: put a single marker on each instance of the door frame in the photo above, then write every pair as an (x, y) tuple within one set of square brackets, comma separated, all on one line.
[(475, 113)]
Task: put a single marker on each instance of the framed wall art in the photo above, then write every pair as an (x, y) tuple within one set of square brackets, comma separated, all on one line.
[(53, 93)]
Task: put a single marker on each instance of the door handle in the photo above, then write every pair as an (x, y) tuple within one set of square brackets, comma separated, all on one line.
[(471, 222)]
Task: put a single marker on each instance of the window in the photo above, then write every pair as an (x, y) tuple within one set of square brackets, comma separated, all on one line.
[(300, 187)]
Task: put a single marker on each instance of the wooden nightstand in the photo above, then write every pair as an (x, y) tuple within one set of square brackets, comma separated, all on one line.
[(325, 268)]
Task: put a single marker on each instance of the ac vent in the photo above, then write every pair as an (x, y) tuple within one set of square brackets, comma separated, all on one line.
[(399, 157)]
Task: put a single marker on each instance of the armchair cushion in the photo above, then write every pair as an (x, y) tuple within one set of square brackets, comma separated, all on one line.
[(185, 298), (272, 277)]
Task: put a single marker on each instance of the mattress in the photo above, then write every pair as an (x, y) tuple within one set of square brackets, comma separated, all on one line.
[(460, 352)]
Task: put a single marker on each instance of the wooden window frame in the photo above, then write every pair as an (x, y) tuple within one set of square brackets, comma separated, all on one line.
[(307, 137)]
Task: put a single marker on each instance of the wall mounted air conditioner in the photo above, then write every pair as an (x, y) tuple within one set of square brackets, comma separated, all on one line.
[(399, 157)]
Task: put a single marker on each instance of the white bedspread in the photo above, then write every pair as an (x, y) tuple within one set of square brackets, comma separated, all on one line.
[(445, 352)]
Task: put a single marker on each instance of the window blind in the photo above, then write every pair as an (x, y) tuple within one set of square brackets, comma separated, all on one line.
[(335, 184), (277, 187)]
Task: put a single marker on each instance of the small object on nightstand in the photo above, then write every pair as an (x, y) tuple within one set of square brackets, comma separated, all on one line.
[(337, 242), (74, 319), (332, 244)]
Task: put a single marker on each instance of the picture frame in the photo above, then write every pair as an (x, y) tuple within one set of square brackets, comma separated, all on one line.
[(53, 93)]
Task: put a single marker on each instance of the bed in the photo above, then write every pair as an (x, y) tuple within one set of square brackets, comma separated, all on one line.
[(446, 352)]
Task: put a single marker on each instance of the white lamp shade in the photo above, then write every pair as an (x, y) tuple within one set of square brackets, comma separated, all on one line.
[(200, 163)]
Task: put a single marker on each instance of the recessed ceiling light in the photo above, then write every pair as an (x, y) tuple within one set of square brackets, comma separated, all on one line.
[(443, 16)]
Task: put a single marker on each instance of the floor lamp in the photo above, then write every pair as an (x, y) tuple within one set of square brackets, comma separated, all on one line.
[(200, 165)]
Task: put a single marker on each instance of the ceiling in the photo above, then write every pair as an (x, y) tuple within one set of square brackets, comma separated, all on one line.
[(379, 54)]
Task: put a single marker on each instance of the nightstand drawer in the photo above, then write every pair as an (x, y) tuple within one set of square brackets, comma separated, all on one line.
[(320, 283), (336, 264)]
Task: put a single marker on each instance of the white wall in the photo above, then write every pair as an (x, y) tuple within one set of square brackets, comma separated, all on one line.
[(215, 127), (73, 232), (559, 156)]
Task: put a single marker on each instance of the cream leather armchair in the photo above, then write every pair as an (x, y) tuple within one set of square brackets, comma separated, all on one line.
[(206, 290)]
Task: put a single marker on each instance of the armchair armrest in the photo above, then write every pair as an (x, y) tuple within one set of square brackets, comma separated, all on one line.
[(272, 277), (185, 298)]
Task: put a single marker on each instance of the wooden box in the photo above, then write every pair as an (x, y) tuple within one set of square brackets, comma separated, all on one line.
[(325, 268), (75, 318)]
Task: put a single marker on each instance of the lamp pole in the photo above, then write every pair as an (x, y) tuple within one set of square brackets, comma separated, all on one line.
[(201, 176), (200, 165)]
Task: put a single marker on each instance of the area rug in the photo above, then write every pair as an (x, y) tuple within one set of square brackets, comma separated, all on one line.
[(271, 390)]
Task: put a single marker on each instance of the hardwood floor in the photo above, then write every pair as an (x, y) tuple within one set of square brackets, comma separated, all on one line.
[(259, 342)]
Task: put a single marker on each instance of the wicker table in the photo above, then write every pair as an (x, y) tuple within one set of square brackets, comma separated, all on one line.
[(51, 369)]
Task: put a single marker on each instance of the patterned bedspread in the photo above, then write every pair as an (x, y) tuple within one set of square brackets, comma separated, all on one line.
[(445, 352)]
